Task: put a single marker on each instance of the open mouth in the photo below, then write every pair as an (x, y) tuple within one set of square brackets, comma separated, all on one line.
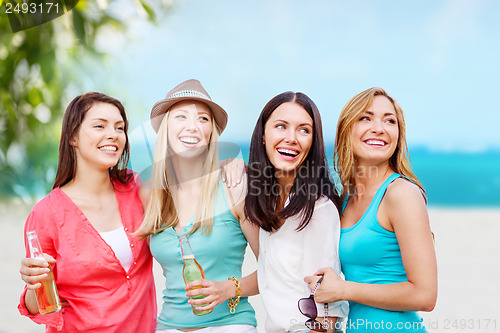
[(375, 142), (288, 152), (108, 148), (190, 140)]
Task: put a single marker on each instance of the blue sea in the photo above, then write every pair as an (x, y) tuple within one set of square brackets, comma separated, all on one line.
[(451, 179), (459, 178)]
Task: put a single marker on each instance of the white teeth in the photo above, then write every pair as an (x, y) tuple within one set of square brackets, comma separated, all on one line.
[(287, 151), (190, 140), (108, 148), (375, 142)]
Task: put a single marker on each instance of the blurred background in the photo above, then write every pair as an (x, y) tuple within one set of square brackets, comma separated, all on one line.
[(438, 58)]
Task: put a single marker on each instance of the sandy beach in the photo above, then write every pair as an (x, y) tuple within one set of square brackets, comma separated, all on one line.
[(467, 249)]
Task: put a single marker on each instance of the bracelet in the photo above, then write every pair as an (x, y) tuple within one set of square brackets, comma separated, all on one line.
[(233, 302)]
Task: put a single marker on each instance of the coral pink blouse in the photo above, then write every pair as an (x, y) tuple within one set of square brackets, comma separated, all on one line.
[(102, 296)]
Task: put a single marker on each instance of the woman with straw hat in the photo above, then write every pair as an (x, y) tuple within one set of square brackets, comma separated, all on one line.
[(188, 199)]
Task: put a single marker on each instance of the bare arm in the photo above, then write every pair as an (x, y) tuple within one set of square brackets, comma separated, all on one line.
[(403, 208), (248, 283), (219, 291), (233, 171)]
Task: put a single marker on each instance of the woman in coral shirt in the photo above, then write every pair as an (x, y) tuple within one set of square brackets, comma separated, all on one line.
[(102, 272)]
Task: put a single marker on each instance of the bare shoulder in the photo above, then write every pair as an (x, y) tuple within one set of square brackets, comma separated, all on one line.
[(403, 192), (403, 204)]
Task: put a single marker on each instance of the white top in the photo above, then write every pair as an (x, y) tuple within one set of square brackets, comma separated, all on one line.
[(118, 241), (286, 256)]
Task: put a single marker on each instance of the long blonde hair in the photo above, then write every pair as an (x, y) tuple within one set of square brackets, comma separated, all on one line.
[(343, 156), (161, 213)]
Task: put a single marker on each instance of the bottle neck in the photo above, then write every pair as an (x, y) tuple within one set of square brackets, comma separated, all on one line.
[(187, 252), (34, 245)]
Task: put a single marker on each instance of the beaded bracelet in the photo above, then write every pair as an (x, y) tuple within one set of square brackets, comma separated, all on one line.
[(233, 302)]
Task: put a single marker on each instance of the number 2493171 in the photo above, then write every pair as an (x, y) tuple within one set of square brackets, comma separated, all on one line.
[(32, 8), (472, 324)]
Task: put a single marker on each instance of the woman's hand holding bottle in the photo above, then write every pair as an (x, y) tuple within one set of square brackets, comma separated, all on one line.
[(33, 270), (216, 292)]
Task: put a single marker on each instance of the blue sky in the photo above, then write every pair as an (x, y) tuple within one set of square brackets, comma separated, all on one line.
[(439, 59)]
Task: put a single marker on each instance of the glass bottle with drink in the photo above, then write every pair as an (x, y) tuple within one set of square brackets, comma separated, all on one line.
[(191, 271), (46, 296)]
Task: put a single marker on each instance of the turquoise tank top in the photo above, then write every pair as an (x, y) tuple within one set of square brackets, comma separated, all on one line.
[(370, 253), (220, 254)]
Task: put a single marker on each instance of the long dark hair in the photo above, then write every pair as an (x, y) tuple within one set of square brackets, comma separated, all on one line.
[(311, 181), (73, 118)]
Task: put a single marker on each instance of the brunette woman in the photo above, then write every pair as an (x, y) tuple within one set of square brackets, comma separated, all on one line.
[(103, 273), (292, 199)]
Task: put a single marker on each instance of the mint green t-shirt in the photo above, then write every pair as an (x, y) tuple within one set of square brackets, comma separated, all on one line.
[(220, 254)]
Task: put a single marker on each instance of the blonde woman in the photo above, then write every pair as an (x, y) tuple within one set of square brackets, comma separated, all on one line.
[(188, 198), (386, 246)]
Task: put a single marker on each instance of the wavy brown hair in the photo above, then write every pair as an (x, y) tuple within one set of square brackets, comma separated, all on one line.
[(311, 181), (343, 157), (73, 118)]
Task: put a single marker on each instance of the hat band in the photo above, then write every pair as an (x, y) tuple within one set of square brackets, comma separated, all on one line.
[(189, 93)]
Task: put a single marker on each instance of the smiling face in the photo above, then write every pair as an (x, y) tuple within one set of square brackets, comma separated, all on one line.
[(101, 138), (375, 133), (189, 126), (288, 136)]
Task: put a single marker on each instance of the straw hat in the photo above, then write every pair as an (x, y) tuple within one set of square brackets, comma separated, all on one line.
[(190, 90)]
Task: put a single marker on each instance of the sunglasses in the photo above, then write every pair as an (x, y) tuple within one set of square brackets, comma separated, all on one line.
[(307, 306)]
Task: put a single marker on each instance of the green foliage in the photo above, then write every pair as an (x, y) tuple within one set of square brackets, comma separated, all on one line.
[(34, 79), (32, 88), (149, 11)]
